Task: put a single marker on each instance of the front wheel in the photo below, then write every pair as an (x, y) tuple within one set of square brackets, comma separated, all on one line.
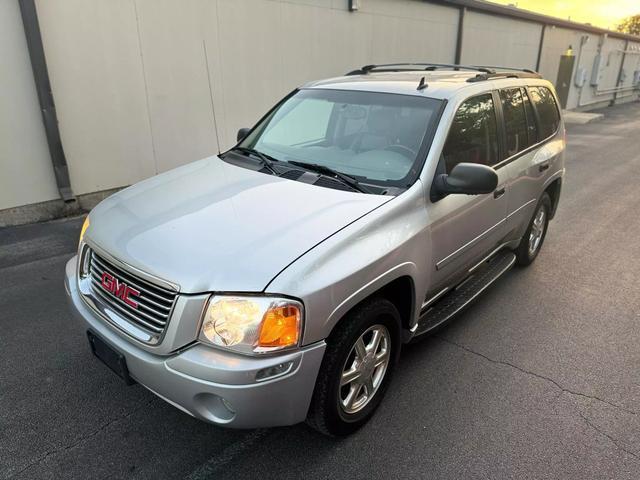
[(356, 369), (533, 238)]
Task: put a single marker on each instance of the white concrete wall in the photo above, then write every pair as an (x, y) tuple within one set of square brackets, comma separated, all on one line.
[(491, 40), (556, 43), (141, 86), (558, 40), (631, 64), (26, 174), (98, 83), (611, 57)]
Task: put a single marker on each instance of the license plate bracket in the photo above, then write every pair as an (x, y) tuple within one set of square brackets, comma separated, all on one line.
[(110, 357)]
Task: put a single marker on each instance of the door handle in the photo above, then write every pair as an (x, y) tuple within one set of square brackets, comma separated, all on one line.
[(499, 192), (543, 167)]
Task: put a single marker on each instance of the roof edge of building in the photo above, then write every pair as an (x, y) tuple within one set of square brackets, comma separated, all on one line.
[(521, 14)]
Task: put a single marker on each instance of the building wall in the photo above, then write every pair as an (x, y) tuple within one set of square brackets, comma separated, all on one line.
[(558, 40), (97, 78), (630, 65), (26, 174), (491, 40), (142, 86)]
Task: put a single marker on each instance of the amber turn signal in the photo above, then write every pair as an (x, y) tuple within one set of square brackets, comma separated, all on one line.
[(280, 326), (85, 225)]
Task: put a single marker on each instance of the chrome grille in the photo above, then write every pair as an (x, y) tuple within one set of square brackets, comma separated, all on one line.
[(154, 303)]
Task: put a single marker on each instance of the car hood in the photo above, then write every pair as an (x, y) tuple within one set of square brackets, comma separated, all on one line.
[(214, 226)]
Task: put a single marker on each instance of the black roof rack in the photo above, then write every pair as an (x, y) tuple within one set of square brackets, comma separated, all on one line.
[(416, 67), (487, 72), (481, 77), (494, 67)]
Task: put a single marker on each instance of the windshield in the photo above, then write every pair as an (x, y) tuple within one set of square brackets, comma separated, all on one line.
[(374, 137)]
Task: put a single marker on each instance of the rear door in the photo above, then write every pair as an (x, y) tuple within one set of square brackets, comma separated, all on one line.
[(531, 122), (467, 227)]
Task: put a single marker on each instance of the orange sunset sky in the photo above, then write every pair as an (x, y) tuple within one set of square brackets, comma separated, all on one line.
[(601, 13)]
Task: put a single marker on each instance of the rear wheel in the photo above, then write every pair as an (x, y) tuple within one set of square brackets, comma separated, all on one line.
[(533, 238), (356, 369)]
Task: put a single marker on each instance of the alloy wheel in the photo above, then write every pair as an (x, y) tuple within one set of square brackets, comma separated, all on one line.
[(364, 369), (537, 230)]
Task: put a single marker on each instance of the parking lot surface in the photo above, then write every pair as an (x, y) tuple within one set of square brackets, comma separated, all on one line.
[(540, 378)]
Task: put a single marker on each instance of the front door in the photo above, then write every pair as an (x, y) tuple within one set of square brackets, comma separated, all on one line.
[(467, 227)]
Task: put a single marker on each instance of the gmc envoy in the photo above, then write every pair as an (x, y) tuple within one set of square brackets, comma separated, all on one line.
[(276, 282)]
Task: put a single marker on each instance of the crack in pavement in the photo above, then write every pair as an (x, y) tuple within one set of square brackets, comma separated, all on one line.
[(605, 434), (562, 391), (228, 454), (81, 440), (537, 375)]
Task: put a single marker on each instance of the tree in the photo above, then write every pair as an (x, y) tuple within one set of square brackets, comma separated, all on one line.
[(630, 25)]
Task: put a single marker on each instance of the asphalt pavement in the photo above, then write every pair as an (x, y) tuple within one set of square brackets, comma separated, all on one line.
[(539, 379)]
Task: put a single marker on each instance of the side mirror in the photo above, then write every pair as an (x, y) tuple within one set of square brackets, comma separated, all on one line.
[(243, 132), (466, 179)]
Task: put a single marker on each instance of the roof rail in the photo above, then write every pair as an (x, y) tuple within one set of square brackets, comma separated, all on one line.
[(417, 67), (487, 72), (481, 77), (495, 67)]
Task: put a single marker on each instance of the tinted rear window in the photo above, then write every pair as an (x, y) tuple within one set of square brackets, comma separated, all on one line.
[(545, 104), (531, 119), (515, 121)]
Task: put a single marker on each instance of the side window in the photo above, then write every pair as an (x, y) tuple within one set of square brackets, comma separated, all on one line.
[(531, 119), (547, 109), (515, 121), (473, 134)]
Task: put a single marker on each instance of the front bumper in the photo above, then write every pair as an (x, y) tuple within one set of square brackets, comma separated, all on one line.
[(210, 384)]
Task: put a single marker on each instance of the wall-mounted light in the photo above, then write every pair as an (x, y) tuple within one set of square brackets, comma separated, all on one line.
[(354, 5)]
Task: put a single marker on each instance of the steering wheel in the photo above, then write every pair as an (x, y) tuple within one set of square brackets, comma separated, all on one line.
[(402, 149)]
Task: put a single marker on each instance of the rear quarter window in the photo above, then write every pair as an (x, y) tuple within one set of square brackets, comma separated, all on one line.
[(545, 105), (532, 126), (515, 120)]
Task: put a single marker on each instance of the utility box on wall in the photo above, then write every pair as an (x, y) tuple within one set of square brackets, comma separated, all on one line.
[(596, 71), (581, 77)]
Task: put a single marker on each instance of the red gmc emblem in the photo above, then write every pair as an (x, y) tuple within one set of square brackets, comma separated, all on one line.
[(120, 289)]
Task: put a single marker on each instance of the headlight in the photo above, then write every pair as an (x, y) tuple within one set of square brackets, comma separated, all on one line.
[(252, 324), (85, 225)]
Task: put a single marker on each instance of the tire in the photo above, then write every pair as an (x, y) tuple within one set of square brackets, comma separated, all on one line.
[(328, 413), (525, 252)]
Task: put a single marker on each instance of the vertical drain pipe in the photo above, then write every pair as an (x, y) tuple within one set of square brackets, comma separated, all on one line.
[(45, 98), (460, 36), (541, 47), (619, 82)]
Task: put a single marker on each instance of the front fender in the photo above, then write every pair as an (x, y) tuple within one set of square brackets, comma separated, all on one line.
[(384, 245), (407, 269)]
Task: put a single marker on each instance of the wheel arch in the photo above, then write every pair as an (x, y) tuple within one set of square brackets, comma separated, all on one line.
[(553, 190), (399, 290)]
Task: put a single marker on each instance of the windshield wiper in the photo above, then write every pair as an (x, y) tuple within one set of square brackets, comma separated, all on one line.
[(346, 179), (266, 160)]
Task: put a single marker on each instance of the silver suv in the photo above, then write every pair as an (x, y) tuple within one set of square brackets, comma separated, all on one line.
[(276, 282)]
